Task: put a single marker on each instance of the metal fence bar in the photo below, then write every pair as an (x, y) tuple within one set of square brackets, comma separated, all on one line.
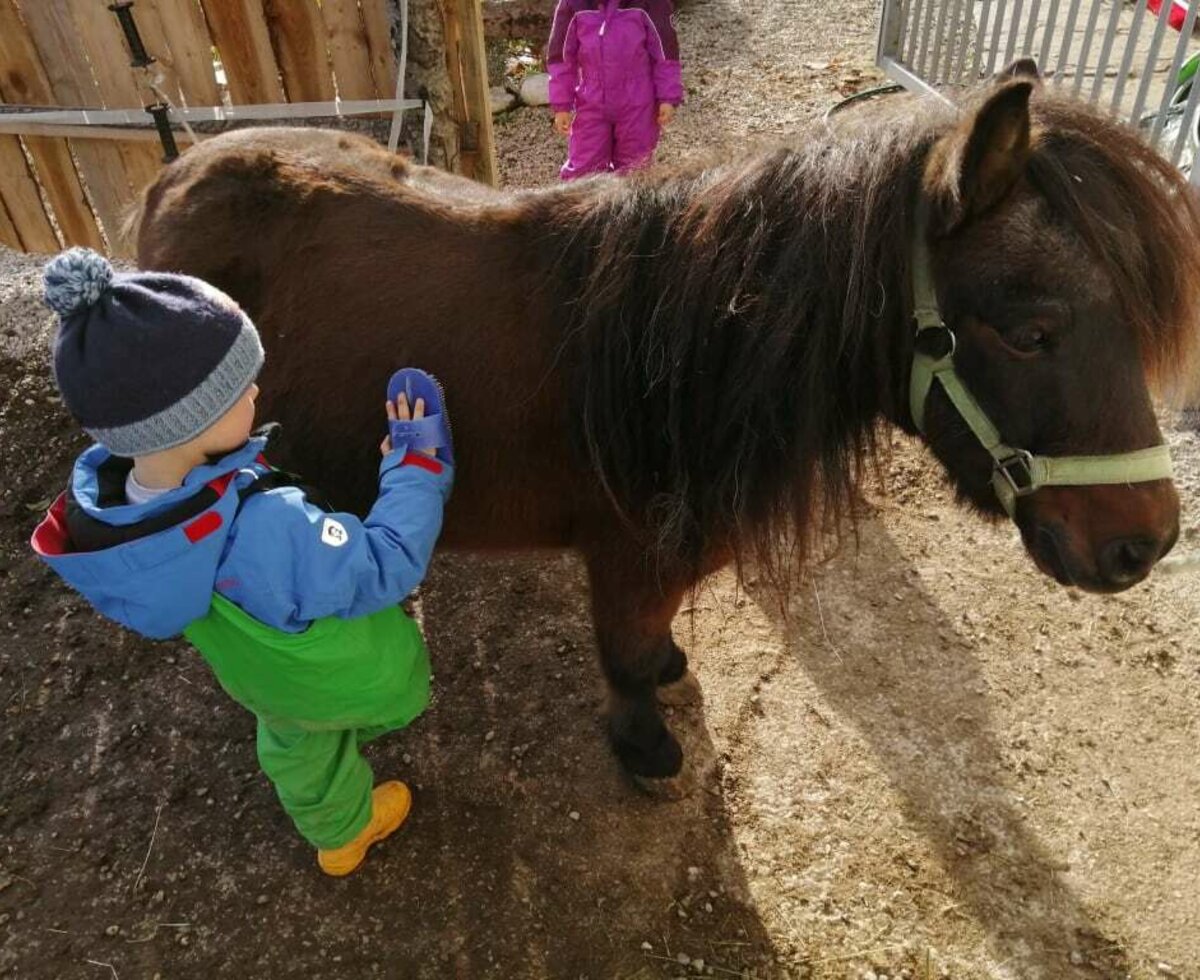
[(1110, 35), (976, 61), (901, 26), (1135, 29), (1189, 22), (927, 45), (891, 28), (1014, 29), (934, 74), (1160, 27), (1031, 30), (1048, 37), (1088, 33), (908, 48), (947, 59), (926, 31), (960, 64), (1064, 52), (994, 46)]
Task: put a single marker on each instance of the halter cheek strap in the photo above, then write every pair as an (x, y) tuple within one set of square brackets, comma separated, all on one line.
[(1015, 472)]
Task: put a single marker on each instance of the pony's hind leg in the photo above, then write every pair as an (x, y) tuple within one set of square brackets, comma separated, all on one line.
[(633, 617)]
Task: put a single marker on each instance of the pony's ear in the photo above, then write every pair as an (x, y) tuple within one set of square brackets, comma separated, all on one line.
[(1021, 68), (975, 167)]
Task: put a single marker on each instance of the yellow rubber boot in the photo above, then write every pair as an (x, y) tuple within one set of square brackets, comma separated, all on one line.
[(390, 803)]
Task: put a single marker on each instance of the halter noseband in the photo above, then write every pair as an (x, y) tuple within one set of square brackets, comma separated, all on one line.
[(1016, 472)]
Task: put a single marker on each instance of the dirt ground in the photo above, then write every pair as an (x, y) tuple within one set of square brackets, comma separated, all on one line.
[(940, 765)]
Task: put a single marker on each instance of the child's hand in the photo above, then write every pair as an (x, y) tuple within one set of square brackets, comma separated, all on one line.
[(400, 411), (666, 112), (562, 123)]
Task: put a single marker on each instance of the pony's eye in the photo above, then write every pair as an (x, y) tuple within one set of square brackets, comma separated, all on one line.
[(1028, 337)]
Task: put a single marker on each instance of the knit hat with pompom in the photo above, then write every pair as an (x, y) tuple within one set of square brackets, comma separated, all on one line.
[(146, 360)]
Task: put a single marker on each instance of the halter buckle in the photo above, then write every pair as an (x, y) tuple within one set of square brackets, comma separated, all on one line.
[(935, 341), (1017, 471)]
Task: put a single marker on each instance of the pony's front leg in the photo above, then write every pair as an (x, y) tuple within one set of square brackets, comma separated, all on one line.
[(632, 615)]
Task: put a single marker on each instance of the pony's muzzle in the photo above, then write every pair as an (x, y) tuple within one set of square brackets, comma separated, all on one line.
[(1101, 538)]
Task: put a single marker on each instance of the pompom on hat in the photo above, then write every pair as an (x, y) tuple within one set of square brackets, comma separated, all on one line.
[(145, 361)]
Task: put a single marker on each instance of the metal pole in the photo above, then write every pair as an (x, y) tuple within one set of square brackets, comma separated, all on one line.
[(1185, 33), (1088, 33), (1110, 34), (1065, 51), (1160, 27), (1139, 14)]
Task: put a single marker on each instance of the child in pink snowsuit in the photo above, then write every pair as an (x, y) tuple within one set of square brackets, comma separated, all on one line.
[(615, 64)]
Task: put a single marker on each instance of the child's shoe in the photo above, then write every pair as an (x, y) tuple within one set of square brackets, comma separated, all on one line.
[(390, 803)]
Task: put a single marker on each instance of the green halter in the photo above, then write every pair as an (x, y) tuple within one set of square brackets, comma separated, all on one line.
[(1017, 472)]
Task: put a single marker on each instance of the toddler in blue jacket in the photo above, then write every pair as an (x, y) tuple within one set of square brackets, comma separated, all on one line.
[(174, 523)]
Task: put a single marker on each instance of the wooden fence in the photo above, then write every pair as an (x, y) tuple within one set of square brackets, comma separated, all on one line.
[(57, 191)]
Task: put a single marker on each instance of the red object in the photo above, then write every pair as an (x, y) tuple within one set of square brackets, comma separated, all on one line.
[(202, 526), (1177, 14), (421, 461), (50, 536)]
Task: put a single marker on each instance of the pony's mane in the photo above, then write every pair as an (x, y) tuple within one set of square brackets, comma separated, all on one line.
[(737, 331)]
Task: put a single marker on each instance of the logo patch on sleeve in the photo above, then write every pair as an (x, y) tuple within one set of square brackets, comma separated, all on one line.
[(333, 534)]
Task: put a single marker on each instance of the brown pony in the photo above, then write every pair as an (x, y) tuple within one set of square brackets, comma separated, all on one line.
[(671, 372)]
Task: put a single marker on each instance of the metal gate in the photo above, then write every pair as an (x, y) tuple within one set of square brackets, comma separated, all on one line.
[(1138, 62)]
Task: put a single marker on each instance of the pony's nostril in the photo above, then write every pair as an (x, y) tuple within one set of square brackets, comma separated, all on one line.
[(1128, 560)]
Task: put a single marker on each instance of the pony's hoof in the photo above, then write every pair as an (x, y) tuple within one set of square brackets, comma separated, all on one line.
[(661, 761), (682, 692), (673, 788), (675, 667)]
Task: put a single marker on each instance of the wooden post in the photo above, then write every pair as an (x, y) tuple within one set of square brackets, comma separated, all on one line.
[(467, 64)]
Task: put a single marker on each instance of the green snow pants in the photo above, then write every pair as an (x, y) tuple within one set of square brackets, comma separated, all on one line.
[(318, 696)]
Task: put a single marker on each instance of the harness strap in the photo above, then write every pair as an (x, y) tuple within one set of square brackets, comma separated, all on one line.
[(1016, 472), (89, 533)]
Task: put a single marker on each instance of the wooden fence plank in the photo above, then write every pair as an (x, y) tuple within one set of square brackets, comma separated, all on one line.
[(176, 36), (56, 172), (298, 38), (8, 232), (239, 31), (23, 80), (378, 22), (346, 36), (21, 198), (101, 166)]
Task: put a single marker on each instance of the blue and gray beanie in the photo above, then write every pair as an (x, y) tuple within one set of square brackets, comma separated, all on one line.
[(146, 360)]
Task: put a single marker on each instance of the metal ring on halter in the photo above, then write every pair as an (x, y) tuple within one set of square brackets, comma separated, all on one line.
[(928, 336)]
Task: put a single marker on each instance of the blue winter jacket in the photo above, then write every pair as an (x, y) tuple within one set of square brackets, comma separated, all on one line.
[(280, 558)]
